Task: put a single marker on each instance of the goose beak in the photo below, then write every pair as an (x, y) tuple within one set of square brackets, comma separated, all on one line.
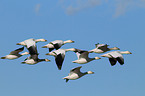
[(130, 53), (44, 47), (18, 44), (47, 54), (47, 60), (103, 56)]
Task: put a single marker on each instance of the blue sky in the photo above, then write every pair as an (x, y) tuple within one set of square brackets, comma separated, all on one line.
[(119, 23)]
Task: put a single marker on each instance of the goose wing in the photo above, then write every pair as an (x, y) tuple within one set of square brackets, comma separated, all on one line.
[(112, 61), (59, 58), (81, 53), (16, 51), (120, 60), (117, 56), (31, 46), (96, 45), (32, 50), (103, 47), (76, 70), (57, 44)]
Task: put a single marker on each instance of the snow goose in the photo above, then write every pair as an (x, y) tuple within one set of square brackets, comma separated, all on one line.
[(101, 48), (15, 54), (83, 57), (56, 44), (59, 56), (31, 46), (116, 56), (75, 74), (36, 40)]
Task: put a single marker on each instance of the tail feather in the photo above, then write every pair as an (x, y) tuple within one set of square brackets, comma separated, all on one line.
[(23, 62), (67, 80), (3, 57)]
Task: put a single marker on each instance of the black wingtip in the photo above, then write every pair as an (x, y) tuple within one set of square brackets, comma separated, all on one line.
[(67, 80), (20, 49), (59, 67), (50, 49)]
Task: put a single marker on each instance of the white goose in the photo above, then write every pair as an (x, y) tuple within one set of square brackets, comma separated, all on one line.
[(15, 54), (56, 44), (83, 57), (101, 48), (31, 46), (116, 56), (36, 40), (59, 56), (75, 74)]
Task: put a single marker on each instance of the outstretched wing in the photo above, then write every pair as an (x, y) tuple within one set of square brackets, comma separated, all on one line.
[(31, 46), (112, 61), (117, 56), (76, 70), (81, 53), (59, 60), (17, 51), (103, 47), (120, 60)]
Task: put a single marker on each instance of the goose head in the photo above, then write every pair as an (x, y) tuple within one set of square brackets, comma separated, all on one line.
[(40, 40), (21, 43), (51, 53), (47, 60), (68, 41), (70, 49), (125, 52), (97, 58), (114, 48), (90, 72)]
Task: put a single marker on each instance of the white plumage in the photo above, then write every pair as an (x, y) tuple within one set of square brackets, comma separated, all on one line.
[(32, 48), (101, 48), (56, 44), (15, 54), (76, 73), (116, 56), (59, 56), (83, 57)]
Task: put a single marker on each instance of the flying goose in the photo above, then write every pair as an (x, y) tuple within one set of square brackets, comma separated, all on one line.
[(75, 74), (56, 44), (31, 46), (116, 56), (36, 40), (59, 56), (15, 54), (83, 57), (101, 48)]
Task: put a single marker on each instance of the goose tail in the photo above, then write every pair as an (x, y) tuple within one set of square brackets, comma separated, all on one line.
[(3, 57)]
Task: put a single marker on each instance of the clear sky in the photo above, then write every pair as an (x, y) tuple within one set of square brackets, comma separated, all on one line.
[(118, 23)]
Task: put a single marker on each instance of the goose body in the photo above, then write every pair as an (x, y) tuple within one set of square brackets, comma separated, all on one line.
[(32, 61), (35, 40), (83, 57), (75, 73), (116, 56), (59, 56), (15, 54), (101, 48), (56, 44), (31, 46)]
